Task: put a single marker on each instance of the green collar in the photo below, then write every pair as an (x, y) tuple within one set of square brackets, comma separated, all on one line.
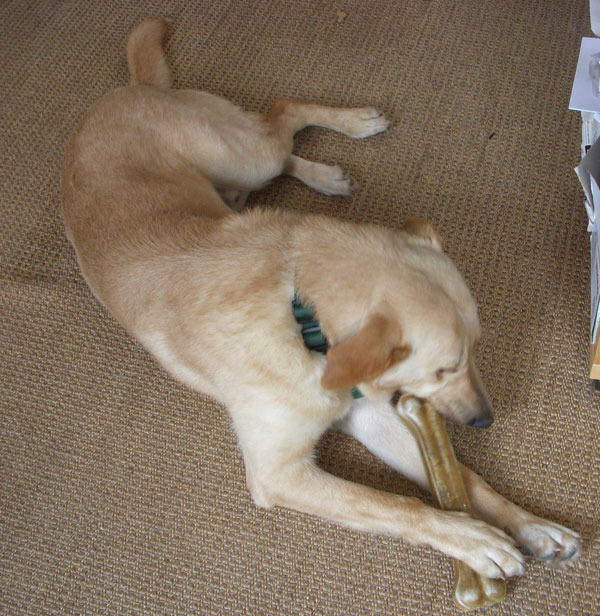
[(311, 332)]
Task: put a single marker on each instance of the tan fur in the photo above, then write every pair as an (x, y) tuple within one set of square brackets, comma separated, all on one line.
[(145, 56), (421, 228), (208, 292)]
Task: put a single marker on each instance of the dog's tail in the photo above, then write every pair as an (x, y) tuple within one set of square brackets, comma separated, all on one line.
[(145, 54)]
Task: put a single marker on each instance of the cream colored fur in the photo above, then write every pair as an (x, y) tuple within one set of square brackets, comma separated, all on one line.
[(148, 179)]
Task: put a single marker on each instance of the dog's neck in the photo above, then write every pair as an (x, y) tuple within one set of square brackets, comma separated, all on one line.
[(329, 281), (312, 334)]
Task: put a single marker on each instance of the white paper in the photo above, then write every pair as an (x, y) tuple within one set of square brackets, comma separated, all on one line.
[(588, 172), (595, 284), (595, 259), (589, 168), (590, 130), (585, 95), (595, 16)]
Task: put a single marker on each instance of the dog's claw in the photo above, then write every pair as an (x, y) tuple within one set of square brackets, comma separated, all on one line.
[(550, 543), (366, 123)]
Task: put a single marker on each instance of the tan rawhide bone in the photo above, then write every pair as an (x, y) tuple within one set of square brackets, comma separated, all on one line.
[(471, 590)]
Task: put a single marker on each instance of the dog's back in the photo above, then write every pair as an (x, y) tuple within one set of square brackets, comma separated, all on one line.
[(129, 193)]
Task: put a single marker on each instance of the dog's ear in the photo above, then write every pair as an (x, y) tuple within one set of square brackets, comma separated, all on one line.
[(423, 229), (364, 356)]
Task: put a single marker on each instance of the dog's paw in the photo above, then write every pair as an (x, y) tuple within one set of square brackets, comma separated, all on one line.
[(549, 542), (235, 199), (332, 180), (365, 122), (486, 549)]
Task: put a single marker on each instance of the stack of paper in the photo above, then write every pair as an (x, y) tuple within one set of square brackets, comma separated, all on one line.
[(585, 97), (588, 173)]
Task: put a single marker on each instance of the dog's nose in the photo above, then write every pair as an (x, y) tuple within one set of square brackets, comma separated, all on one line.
[(481, 422)]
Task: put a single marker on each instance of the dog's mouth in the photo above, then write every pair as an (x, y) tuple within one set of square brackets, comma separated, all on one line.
[(395, 397), (480, 416), (477, 415)]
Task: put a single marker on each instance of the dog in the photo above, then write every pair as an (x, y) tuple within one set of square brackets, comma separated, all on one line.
[(152, 184)]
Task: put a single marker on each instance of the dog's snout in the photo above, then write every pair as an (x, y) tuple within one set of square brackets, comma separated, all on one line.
[(485, 416), (481, 422)]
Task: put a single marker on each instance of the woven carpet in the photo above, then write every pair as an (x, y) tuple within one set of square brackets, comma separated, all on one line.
[(121, 491)]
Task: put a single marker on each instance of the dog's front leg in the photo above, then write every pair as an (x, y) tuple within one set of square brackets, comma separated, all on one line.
[(375, 425), (284, 474), (305, 487)]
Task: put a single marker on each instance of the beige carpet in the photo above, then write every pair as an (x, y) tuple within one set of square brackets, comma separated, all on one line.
[(121, 491)]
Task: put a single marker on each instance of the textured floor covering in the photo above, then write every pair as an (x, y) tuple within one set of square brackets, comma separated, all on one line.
[(121, 491)]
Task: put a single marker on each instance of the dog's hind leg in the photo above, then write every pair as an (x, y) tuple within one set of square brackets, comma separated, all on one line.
[(288, 117), (328, 179), (291, 116)]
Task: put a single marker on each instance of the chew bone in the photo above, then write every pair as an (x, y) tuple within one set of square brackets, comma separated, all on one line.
[(471, 590)]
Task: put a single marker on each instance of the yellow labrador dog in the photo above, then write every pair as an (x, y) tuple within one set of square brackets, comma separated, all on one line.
[(151, 179)]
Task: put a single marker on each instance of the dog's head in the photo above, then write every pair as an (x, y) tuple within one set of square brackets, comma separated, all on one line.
[(419, 337)]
